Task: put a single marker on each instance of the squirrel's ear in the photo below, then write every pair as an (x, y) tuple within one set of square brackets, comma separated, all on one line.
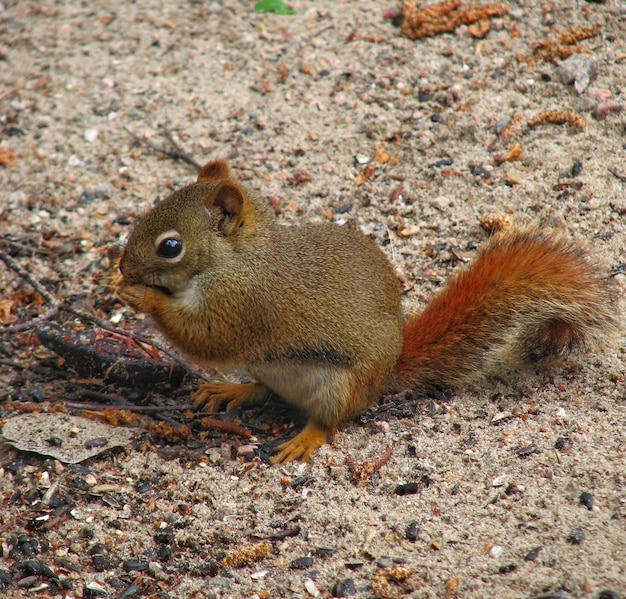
[(214, 171), (229, 199)]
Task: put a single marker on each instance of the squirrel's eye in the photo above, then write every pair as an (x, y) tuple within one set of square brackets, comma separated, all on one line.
[(171, 247)]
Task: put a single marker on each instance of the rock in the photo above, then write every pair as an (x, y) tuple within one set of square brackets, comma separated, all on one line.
[(579, 69)]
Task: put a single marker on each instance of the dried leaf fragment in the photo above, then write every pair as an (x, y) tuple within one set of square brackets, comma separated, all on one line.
[(7, 158)]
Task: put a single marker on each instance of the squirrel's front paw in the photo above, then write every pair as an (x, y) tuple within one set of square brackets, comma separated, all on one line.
[(140, 297)]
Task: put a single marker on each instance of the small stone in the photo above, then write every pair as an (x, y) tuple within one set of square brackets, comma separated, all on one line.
[(579, 69), (513, 177), (563, 444), (344, 588), (605, 109), (586, 499), (576, 536), (606, 594), (362, 159), (496, 551), (310, 587), (91, 135), (406, 489), (532, 554), (412, 531)]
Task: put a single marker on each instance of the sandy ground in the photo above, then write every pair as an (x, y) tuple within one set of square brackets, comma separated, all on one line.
[(300, 105)]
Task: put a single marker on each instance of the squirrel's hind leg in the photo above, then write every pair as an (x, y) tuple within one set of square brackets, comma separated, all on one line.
[(211, 396), (304, 444)]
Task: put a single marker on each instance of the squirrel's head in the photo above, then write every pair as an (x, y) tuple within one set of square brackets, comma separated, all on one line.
[(189, 231)]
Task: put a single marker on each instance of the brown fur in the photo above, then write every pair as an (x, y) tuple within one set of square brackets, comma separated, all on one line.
[(313, 312)]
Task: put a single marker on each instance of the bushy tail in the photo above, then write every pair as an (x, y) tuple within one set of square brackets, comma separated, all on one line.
[(526, 296)]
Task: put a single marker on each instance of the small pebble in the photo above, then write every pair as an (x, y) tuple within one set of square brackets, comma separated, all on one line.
[(311, 589), (576, 536), (506, 568), (412, 531), (579, 69), (91, 135), (533, 554), (344, 588), (605, 109), (606, 594), (496, 551), (406, 489), (563, 444), (513, 177), (586, 499)]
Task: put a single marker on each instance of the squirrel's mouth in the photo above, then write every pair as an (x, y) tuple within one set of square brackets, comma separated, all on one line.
[(162, 289)]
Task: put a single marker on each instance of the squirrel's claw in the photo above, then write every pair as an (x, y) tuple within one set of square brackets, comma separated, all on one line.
[(211, 396), (303, 445)]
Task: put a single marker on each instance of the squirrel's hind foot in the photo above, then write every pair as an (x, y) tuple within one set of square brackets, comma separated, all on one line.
[(211, 396), (304, 444)]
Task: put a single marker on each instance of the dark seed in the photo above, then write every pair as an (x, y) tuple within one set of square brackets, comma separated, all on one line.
[(100, 562), (30, 566), (27, 582), (301, 563), (90, 591), (97, 442), (343, 209), (505, 569), (55, 442), (407, 489), (533, 554), (576, 536), (68, 565), (563, 444), (164, 553), (442, 162), (129, 591), (142, 485), (165, 536), (606, 594), (210, 568), (526, 451), (136, 565), (577, 168), (344, 588), (412, 531), (324, 552), (586, 499)]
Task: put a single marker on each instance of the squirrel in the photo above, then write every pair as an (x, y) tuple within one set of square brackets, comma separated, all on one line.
[(313, 313)]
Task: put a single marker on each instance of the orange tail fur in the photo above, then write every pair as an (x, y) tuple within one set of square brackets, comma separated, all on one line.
[(526, 296)]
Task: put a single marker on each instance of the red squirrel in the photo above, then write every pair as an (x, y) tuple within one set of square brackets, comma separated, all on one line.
[(312, 313)]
